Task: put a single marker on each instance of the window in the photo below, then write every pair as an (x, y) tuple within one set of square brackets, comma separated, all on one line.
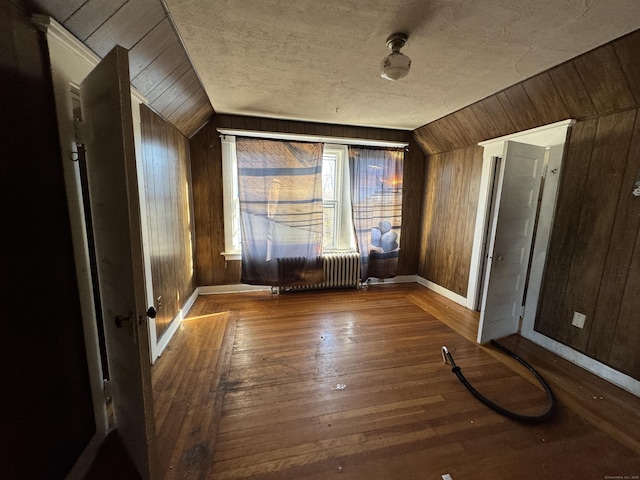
[(336, 199), (338, 232)]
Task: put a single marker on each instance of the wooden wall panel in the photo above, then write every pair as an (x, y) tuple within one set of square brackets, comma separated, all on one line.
[(206, 157), (158, 59), (452, 180), (597, 214), (593, 245), (624, 353), (607, 317), (519, 108), (410, 240), (545, 99), (562, 245), (572, 91), (167, 180), (602, 81), (206, 171), (605, 80), (629, 55)]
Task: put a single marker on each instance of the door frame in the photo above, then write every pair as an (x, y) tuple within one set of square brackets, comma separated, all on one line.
[(71, 61), (552, 136)]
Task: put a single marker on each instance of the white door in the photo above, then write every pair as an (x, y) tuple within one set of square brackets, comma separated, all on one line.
[(512, 223), (115, 209)]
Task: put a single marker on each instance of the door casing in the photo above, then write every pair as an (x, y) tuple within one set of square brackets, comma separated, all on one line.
[(552, 136)]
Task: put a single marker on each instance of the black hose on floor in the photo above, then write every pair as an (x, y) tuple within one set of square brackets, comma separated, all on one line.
[(446, 355)]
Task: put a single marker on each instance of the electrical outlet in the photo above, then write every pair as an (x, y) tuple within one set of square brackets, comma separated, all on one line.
[(578, 319)]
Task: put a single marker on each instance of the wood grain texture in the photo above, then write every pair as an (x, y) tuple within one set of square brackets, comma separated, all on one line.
[(448, 217), (546, 99), (593, 236), (572, 91), (604, 79), (607, 317), (563, 239), (412, 188), (205, 172), (592, 242), (519, 108), (628, 53), (158, 59), (167, 193), (352, 384), (599, 82)]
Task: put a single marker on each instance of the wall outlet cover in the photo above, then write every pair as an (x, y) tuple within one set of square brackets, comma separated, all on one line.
[(578, 319)]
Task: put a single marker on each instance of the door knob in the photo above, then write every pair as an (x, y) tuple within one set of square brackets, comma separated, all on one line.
[(151, 312)]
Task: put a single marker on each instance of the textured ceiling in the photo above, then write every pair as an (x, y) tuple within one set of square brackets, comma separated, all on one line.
[(318, 60)]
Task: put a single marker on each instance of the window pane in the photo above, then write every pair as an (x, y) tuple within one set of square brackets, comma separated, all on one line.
[(329, 225), (328, 177)]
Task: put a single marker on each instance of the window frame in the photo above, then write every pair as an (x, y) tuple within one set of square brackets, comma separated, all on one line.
[(231, 207)]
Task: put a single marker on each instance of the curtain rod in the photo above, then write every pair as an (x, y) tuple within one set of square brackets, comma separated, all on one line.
[(312, 138)]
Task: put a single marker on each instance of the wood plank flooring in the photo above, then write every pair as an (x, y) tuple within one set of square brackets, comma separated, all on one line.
[(351, 385)]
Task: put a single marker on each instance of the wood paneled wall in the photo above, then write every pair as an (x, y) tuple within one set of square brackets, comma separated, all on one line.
[(167, 180), (594, 256), (206, 167), (159, 65), (601, 81), (46, 409), (593, 264), (452, 182)]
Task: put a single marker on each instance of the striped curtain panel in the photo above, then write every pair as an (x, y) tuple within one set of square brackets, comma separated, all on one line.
[(280, 191), (376, 201)]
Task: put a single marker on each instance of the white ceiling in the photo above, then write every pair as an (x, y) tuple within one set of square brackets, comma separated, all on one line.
[(319, 60)]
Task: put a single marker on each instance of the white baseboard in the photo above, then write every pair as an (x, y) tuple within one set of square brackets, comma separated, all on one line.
[(459, 299), (601, 370), (168, 334)]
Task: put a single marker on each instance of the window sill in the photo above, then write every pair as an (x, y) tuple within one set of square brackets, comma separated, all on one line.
[(231, 256)]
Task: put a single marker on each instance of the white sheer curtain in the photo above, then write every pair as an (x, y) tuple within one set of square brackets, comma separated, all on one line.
[(376, 201), (280, 191)]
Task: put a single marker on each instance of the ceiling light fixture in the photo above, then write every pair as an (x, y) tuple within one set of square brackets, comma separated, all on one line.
[(396, 65)]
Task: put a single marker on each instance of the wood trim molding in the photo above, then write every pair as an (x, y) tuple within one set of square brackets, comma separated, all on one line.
[(459, 299)]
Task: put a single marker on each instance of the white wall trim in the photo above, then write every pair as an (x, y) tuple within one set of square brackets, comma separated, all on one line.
[(70, 63), (599, 369), (459, 299), (546, 136), (533, 133), (168, 334), (312, 138)]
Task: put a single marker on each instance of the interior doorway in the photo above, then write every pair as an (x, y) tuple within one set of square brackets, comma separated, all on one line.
[(525, 229)]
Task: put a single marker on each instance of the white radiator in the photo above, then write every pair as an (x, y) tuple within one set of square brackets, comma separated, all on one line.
[(341, 270)]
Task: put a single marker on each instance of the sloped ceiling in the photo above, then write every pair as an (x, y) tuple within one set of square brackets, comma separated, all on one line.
[(160, 68), (319, 60)]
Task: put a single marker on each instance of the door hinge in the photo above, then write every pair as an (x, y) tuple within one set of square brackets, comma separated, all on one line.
[(522, 311), (79, 138), (106, 388), (78, 127)]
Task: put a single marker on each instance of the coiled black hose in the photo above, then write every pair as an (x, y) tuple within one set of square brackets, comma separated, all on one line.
[(551, 410)]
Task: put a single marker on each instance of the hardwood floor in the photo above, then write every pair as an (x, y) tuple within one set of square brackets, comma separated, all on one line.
[(351, 384)]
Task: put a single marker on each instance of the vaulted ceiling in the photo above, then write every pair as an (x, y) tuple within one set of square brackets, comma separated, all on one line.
[(319, 60)]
